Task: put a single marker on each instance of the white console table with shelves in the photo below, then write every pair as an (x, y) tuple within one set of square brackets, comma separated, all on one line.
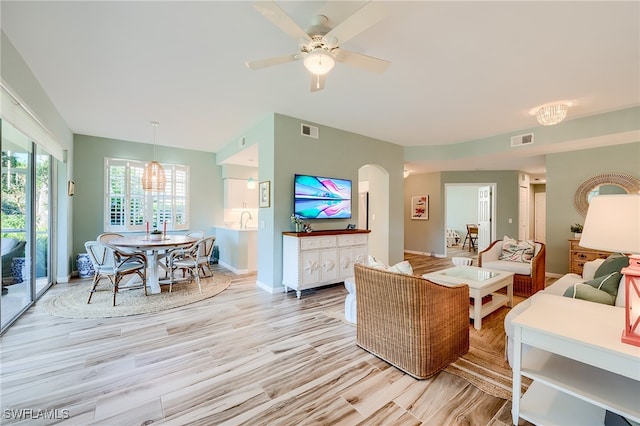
[(320, 258), (579, 366)]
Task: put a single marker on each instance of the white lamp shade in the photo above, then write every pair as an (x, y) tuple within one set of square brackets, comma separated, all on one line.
[(613, 224), (319, 62)]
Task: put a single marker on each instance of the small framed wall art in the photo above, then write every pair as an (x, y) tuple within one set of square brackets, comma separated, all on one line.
[(264, 194), (420, 207)]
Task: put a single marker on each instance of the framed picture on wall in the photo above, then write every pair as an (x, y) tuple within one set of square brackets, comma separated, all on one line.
[(264, 193), (420, 207)]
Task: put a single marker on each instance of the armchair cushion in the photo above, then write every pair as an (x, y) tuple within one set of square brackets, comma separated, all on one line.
[(521, 268), (516, 251), (8, 244)]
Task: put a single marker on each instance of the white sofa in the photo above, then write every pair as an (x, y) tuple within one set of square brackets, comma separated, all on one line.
[(556, 289)]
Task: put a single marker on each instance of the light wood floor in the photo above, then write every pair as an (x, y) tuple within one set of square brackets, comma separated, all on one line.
[(243, 357)]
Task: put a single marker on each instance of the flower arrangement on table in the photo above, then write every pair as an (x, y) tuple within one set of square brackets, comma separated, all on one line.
[(156, 234), (297, 221)]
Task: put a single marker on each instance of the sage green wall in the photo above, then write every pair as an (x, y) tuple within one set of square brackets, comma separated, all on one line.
[(18, 77), (506, 196), (206, 208), (565, 173), (424, 236), (335, 153), (262, 134), (428, 236)]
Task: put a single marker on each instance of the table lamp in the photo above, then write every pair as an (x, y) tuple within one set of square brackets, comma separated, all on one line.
[(613, 224)]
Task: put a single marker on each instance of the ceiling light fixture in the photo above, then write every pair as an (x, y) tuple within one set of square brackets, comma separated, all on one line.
[(551, 113), (319, 61), (153, 177), (251, 184)]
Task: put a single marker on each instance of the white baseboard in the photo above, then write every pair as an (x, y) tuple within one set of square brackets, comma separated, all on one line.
[(232, 269), (268, 288), (418, 252), (426, 253), (553, 275)]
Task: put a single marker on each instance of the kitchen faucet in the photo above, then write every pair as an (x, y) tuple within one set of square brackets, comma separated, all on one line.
[(241, 216)]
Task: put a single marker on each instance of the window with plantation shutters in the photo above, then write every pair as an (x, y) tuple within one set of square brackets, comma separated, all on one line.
[(128, 207)]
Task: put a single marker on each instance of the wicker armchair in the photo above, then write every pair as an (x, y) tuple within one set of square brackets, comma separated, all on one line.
[(528, 278), (413, 324)]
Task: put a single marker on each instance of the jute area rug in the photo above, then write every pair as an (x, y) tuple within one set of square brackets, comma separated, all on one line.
[(484, 366), (73, 302)]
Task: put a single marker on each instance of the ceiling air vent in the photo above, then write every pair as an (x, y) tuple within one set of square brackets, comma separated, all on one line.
[(310, 131), (520, 140)]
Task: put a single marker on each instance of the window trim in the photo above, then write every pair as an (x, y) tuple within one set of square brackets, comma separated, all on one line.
[(171, 194)]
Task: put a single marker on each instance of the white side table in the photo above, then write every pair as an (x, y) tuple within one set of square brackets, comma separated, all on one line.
[(579, 366)]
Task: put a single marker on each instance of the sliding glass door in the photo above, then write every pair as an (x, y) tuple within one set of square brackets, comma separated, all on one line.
[(42, 218), (26, 177)]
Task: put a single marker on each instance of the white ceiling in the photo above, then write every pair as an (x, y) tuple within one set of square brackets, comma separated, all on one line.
[(459, 70)]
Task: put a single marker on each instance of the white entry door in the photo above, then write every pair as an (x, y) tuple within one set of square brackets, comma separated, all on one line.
[(485, 195)]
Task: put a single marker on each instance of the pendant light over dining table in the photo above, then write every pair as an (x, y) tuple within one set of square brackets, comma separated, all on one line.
[(153, 178)]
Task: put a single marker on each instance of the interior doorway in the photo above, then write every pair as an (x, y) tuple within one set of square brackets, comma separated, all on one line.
[(373, 186), (464, 205)]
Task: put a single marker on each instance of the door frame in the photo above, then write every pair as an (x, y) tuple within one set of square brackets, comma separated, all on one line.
[(494, 187)]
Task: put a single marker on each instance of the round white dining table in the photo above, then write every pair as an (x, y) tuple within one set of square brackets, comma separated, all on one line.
[(152, 248)]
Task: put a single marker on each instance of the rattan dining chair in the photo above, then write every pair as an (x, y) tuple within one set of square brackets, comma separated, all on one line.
[(107, 237), (204, 254), (185, 259), (112, 263)]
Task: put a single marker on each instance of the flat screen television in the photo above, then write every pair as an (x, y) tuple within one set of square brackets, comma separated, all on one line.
[(317, 197)]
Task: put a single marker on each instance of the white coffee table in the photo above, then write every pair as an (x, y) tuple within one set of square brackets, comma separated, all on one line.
[(482, 282)]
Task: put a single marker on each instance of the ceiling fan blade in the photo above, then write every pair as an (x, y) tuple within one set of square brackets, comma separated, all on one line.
[(317, 82), (263, 63), (273, 12), (362, 19), (359, 60)]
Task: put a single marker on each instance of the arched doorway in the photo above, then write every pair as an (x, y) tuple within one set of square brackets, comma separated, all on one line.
[(373, 208)]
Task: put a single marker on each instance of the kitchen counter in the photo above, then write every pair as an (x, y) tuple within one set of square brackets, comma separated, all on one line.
[(238, 248)]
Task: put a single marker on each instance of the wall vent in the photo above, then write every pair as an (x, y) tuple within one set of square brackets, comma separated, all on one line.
[(242, 142), (520, 140), (307, 130)]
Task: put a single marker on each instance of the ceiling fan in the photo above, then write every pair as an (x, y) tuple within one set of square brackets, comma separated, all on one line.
[(320, 44)]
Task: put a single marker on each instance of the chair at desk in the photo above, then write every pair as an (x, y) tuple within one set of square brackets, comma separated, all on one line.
[(472, 236)]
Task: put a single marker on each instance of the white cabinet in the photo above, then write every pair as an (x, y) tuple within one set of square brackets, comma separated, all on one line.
[(320, 258), (238, 196), (351, 249), (579, 366)]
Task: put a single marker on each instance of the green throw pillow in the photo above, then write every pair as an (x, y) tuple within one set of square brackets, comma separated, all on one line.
[(613, 263), (608, 283), (586, 292)]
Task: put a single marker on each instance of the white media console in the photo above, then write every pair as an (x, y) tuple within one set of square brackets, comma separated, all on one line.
[(320, 258)]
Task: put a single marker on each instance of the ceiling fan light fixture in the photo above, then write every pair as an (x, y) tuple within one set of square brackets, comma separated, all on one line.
[(551, 113), (319, 62)]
